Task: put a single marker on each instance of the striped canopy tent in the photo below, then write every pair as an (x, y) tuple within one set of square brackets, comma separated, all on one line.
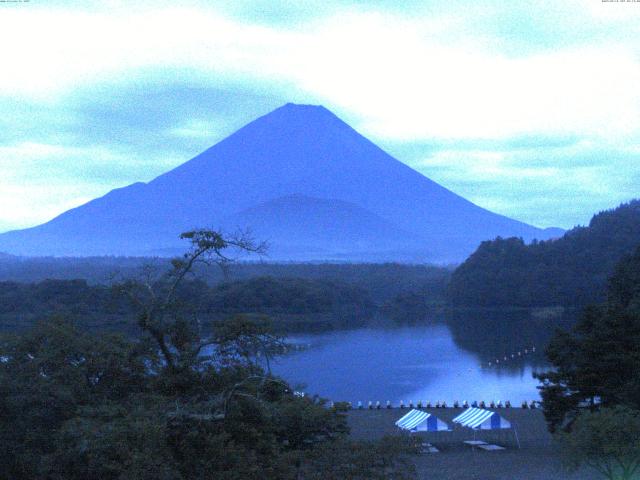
[(419, 421), (480, 419)]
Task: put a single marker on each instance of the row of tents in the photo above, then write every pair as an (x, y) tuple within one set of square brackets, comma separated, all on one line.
[(474, 418)]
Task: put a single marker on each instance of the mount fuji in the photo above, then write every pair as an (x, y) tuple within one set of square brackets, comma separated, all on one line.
[(299, 178)]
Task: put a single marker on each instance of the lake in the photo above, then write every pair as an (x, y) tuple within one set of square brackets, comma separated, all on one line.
[(421, 363)]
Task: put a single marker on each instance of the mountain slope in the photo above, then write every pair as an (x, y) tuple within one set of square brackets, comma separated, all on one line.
[(294, 150), (570, 271), (347, 231)]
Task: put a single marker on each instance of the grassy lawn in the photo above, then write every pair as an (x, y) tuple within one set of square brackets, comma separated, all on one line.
[(537, 459)]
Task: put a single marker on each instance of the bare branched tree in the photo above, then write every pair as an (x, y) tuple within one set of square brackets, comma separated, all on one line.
[(155, 295)]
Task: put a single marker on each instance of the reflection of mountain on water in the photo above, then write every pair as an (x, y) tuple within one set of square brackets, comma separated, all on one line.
[(496, 334)]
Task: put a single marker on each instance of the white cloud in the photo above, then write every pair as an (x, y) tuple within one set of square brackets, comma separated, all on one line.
[(40, 181), (561, 186), (197, 129), (48, 163), (28, 205), (408, 86), (403, 77), (397, 76)]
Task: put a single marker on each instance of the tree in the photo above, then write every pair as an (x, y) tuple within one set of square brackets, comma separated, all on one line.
[(597, 363), (246, 339), (570, 271), (51, 372), (607, 440), (174, 403), (157, 297)]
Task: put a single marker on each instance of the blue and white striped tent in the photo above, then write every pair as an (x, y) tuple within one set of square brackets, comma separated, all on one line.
[(480, 419), (419, 421)]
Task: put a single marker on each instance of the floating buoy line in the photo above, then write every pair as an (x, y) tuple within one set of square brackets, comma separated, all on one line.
[(513, 356), (533, 404)]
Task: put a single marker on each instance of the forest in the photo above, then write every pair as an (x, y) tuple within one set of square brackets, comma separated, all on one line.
[(383, 281), (293, 304), (571, 271), (181, 400)]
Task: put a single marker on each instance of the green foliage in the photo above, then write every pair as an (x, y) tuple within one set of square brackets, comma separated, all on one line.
[(570, 271), (79, 406), (382, 282), (22, 305), (50, 373), (294, 304), (597, 363), (246, 340), (178, 401), (607, 440), (412, 308)]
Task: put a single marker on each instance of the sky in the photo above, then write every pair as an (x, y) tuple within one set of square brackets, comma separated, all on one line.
[(530, 109)]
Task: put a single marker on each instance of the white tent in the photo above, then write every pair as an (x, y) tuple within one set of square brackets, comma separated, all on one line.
[(480, 419), (419, 421)]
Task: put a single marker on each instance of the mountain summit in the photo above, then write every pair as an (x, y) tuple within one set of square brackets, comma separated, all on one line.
[(299, 178)]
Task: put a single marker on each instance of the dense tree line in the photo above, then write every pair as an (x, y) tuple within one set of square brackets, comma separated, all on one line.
[(570, 271), (298, 297), (382, 281), (287, 295), (598, 360), (592, 394), (23, 304), (292, 303), (75, 405), (181, 400)]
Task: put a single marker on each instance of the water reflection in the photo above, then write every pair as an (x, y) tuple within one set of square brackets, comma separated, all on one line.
[(507, 339), (425, 363)]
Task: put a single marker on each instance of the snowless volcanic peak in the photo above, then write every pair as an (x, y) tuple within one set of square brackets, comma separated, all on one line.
[(295, 170)]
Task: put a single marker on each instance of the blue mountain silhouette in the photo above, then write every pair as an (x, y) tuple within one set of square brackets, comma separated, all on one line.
[(299, 177)]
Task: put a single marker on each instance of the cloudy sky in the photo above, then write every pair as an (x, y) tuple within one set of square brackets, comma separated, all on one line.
[(530, 109)]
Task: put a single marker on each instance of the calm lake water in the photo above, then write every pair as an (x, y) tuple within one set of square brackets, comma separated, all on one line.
[(427, 363)]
